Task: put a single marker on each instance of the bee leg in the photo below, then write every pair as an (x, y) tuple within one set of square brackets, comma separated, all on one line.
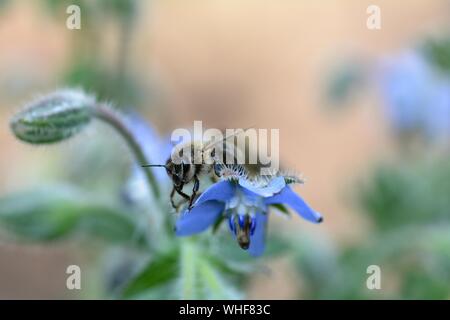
[(194, 191), (181, 193), (172, 202)]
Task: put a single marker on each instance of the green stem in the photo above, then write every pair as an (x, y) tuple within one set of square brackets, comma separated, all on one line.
[(188, 272), (198, 278), (211, 278), (105, 113)]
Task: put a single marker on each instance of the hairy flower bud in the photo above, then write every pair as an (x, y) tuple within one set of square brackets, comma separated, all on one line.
[(54, 117)]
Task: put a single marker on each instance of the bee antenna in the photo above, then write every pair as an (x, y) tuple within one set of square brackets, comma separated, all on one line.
[(153, 165)]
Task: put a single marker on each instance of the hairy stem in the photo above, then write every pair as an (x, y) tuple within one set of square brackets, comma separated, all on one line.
[(211, 278), (188, 270), (105, 113)]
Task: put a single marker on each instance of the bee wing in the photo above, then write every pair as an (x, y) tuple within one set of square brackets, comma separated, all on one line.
[(230, 152), (212, 144)]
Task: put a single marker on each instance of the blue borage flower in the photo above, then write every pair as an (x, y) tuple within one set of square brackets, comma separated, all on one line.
[(417, 98), (245, 203)]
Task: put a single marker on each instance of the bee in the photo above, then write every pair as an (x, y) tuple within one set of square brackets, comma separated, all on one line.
[(193, 159), (243, 227)]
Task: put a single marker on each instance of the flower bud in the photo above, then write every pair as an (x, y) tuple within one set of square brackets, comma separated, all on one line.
[(54, 117)]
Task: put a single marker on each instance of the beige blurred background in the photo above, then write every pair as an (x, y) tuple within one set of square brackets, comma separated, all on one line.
[(230, 64)]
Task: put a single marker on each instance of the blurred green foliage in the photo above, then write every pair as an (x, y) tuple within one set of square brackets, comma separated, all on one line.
[(61, 212), (95, 76), (409, 209), (414, 194), (123, 9), (184, 273), (437, 50), (88, 69), (343, 82)]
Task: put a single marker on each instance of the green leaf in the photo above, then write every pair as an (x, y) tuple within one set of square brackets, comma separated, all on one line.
[(56, 213), (156, 275), (54, 117)]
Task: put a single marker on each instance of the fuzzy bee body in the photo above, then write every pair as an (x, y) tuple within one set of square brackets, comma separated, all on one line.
[(193, 159), (243, 227)]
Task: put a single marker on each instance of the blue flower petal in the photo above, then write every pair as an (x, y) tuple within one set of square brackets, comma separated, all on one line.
[(198, 218), (437, 116), (258, 239), (289, 197), (275, 185), (405, 84), (221, 191)]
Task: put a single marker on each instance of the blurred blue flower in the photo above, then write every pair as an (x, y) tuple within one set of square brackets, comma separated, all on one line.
[(245, 204), (437, 123), (155, 150), (416, 97)]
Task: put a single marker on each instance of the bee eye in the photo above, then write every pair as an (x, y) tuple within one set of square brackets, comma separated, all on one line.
[(178, 170)]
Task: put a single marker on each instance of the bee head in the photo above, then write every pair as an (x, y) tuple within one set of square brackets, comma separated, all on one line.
[(177, 172)]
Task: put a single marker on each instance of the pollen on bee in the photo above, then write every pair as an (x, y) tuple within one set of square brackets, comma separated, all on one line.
[(231, 171)]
